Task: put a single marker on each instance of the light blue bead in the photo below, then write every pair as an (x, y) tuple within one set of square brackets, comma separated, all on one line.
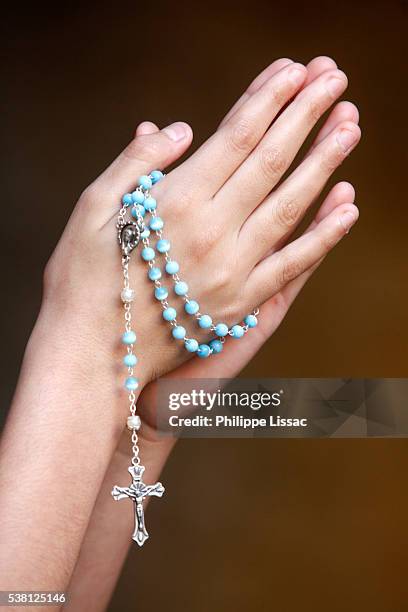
[(145, 182), (204, 351), (150, 203), (191, 345), (191, 307), (251, 320), (138, 197), (163, 245), (180, 288), (156, 223), (160, 293), (127, 199), (172, 267), (154, 274), (221, 329), (178, 332), (169, 314), (138, 208), (129, 337), (237, 331), (131, 383), (205, 321), (145, 233), (148, 254), (130, 360), (156, 176), (216, 346)]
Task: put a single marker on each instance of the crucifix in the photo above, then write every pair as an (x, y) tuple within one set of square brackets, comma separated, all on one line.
[(137, 491)]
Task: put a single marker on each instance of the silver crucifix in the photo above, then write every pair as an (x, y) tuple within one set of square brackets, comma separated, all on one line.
[(137, 492)]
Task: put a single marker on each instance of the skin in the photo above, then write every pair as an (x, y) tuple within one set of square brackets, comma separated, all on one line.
[(233, 211)]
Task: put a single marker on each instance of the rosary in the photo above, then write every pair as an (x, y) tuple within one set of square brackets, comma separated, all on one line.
[(131, 231)]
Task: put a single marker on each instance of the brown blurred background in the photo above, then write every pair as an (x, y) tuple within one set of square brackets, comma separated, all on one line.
[(248, 524)]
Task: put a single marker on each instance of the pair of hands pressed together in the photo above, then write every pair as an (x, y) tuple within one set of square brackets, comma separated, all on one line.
[(229, 217)]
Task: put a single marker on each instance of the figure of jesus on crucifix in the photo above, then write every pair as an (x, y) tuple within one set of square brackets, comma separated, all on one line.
[(137, 491)]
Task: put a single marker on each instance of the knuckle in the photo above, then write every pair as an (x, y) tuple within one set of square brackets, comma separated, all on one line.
[(242, 136), (313, 111), (205, 243), (278, 93), (287, 212), (178, 201), (272, 162), (90, 195), (143, 149), (291, 268), (330, 160), (232, 312), (328, 241)]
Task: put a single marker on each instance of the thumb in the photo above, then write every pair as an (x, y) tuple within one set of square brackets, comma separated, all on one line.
[(146, 152)]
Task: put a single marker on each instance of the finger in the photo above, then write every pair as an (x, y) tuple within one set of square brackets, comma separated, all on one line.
[(145, 153), (213, 163), (147, 127), (341, 193), (281, 212), (314, 68), (272, 274), (256, 85), (272, 312), (255, 178), (317, 66), (343, 111)]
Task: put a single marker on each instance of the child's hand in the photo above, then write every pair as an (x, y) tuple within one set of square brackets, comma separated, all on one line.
[(227, 214)]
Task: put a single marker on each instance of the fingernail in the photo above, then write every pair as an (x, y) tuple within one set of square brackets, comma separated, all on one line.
[(335, 86), (348, 219), (296, 75), (175, 131), (346, 139)]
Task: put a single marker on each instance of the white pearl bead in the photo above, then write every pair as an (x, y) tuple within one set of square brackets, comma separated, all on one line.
[(128, 294), (133, 422)]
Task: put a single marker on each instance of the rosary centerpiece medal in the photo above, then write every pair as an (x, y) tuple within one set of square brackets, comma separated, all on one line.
[(134, 230)]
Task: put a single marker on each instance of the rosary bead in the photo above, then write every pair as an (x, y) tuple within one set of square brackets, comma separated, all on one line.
[(131, 383), (172, 267), (178, 332), (163, 245), (160, 293), (237, 331), (148, 254), (127, 199), (129, 337), (150, 203), (221, 329), (130, 360), (251, 320), (154, 274), (145, 233), (205, 321), (138, 197), (156, 223), (169, 314), (145, 182), (191, 345), (134, 422), (191, 307), (138, 208), (204, 351), (156, 176), (216, 346), (181, 288), (127, 294)]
